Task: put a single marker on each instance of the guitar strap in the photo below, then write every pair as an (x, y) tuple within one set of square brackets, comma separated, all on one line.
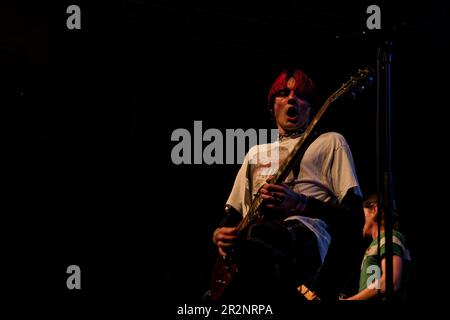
[(307, 143)]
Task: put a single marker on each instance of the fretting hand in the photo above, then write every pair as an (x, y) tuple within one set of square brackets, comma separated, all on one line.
[(225, 239)]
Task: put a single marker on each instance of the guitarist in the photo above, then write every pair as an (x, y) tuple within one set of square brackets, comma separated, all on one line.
[(310, 232)]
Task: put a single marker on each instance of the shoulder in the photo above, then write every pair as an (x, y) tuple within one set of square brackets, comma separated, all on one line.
[(400, 237), (398, 245), (332, 139)]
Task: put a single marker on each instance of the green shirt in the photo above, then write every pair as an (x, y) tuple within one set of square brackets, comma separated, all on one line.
[(370, 261)]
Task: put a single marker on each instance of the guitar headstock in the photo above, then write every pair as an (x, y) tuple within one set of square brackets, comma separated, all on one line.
[(356, 84)]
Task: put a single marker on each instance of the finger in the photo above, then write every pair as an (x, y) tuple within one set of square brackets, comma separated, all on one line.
[(228, 230), (275, 187), (222, 253), (223, 245), (275, 196), (225, 237), (269, 198), (278, 195)]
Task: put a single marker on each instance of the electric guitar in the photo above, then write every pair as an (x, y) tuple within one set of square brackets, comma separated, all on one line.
[(225, 267)]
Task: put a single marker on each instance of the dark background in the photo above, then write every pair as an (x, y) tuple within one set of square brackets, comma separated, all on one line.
[(87, 116)]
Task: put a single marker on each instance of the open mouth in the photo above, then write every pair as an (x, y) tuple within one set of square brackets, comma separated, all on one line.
[(292, 112)]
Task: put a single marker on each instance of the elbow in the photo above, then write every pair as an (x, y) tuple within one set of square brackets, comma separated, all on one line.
[(395, 287), (382, 286)]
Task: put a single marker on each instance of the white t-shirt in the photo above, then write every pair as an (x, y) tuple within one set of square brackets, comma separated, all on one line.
[(326, 173)]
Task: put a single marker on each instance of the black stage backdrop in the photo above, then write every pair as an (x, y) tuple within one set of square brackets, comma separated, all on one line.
[(87, 117)]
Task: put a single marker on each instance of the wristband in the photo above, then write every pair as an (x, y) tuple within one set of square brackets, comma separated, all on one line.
[(302, 201)]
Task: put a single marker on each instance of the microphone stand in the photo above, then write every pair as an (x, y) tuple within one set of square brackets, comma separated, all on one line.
[(386, 201)]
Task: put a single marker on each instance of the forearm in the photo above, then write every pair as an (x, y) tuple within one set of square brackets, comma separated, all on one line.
[(371, 292), (349, 212), (366, 294)]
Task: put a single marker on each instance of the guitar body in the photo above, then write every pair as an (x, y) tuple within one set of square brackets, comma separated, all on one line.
[(224, 270)]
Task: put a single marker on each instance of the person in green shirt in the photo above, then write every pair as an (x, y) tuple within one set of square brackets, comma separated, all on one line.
[(372, 286)]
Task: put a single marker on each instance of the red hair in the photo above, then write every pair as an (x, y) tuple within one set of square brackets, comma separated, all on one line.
[(305, 88)]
